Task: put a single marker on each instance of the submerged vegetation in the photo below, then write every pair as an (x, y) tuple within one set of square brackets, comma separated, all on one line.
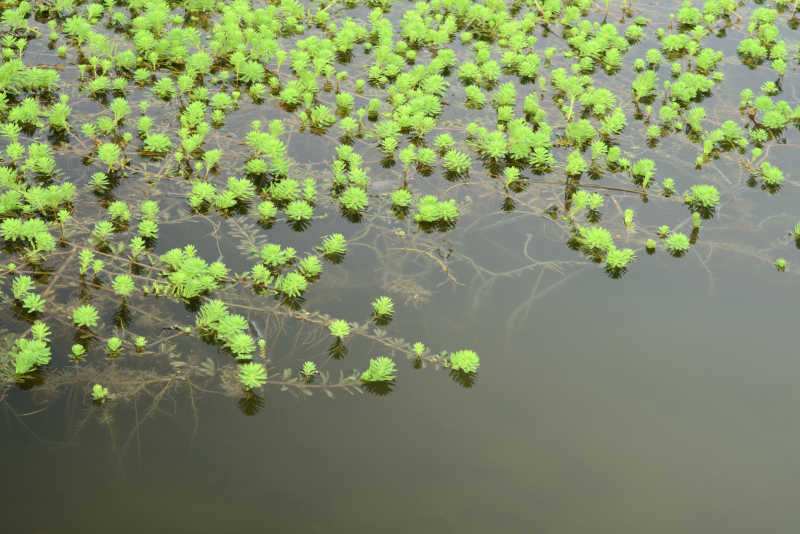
[(204, 173)]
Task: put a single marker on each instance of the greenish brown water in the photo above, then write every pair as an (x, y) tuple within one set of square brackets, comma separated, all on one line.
[(663, 400)]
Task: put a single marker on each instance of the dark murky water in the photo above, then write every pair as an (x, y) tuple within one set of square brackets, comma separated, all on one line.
[(642, 406)]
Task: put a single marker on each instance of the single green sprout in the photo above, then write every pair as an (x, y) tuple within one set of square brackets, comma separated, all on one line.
[(780, 264), (381, 369), (677, 243), (85, 316), (78, 352), (113, 346), (99, 393), (383, 307), (465, 361), (252, 375), (339, 328), (308, 370)]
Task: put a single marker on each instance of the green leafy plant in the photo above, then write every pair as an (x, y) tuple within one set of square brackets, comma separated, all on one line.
[(339, 328), (383, 307), (309, 370), (252, 375), (85, 316), (466, 361), (99, 393), (677, 243), (381, 369)]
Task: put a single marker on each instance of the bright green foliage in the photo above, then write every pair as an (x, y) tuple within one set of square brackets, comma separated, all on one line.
[(595, 239), (401, 198), (780, 264), (618, 259), (230, 329), (310, 267), (267, 210), (85, 316), (299, 210), (27, 353), (643, 171), (381, 369), (190, 276), (465, 361), (644, 85), (123, 285), (273, 256), (702, 196), (292, 284), (456, 162), (650, 244), (771, 175), (252, 375), (431, 210), (383, 307), (354, 199), (339, 328), (99, 393), (119, 212), (321, 116), (158, 143), (677, 243), (78, 352), (579, 133), (575, 164), (628, 218), (109, 153), (308, 370), (113, 346), (334, 244), (22, 286)]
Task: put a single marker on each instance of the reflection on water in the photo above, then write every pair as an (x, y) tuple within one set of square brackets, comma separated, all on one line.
[(646, 406)]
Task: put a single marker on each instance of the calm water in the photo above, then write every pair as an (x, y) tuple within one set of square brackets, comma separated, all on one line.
[(659, 403), (642, 406)]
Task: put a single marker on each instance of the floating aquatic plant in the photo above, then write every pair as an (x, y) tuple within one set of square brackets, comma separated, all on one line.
[(383, 307), (381, 369), (339, 328), (677, 243), (533, 109), (252, 375), (466, 361), (99, 393)]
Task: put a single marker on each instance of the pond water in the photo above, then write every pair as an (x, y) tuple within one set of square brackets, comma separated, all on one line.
[(656, 397), (651, 406)]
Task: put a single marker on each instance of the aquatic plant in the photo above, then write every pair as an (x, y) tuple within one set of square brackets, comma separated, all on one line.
[(617, 260), (528, 111), (381, 369), (677, 243), (383, 307), (99, 393), (308, 370), (252, 375), (85, 316), (466, 361), (339, 328), (702, 197)]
